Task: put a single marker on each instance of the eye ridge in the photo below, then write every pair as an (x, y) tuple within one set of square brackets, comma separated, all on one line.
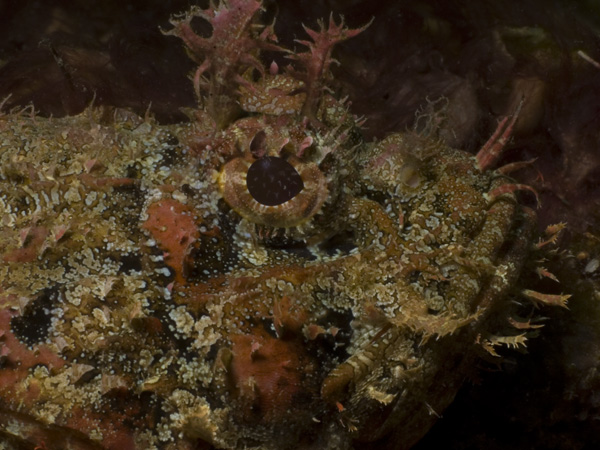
[(272, 181)]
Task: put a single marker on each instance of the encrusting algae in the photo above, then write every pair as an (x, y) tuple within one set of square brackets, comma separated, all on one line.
[(259, 277)]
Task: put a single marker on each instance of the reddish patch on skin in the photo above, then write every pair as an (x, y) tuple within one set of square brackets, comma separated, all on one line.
[(268, 374), (9, 380), (19, 359), (172, 225), (115, 434), (33, 242)]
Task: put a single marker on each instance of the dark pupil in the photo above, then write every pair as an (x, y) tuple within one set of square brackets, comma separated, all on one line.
[(272, 181)]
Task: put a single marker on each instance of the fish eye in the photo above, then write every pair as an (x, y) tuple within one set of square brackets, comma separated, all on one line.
[(272, 181)]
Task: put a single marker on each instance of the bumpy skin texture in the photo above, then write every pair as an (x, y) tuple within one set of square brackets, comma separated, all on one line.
[(149, 301)]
